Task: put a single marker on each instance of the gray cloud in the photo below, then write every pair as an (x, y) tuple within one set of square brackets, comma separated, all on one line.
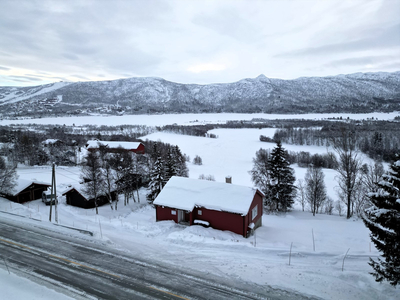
[(362, 61), (19, 80), (70, 56), (229, 22), (391, 66), (25, 78), (80, 77), (165, 38), (35, 75), (388, 37)]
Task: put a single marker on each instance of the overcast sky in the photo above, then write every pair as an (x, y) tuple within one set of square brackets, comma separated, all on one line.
[(193, 41)]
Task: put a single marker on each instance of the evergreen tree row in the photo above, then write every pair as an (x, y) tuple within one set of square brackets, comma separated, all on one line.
[(166, 161)]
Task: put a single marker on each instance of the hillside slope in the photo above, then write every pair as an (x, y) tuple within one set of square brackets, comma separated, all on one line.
[(360, 92)]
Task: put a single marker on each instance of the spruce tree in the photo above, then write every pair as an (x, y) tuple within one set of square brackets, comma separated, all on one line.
[(157, 181), (180, 162), (383, 220), (170, 166), (281, 179)]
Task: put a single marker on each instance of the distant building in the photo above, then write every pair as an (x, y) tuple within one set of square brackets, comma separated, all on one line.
[(27, 190), (52, 143), (75, 196), (222, 206), (115, 146)]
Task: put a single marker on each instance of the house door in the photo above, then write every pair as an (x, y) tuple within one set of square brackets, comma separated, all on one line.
[(181, 215)]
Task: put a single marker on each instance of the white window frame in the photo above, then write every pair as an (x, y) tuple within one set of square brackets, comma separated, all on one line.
[(254, 212), (200, 212), (173, 212)]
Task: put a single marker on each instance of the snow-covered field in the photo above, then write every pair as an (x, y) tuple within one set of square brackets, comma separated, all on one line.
[(262, 259), (189, 119), (231, 154), (10, 282)]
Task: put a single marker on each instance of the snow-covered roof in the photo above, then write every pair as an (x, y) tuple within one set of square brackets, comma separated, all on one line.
[(78, 189), (50, 141), (94, 144), (184, 193), (24, 183)]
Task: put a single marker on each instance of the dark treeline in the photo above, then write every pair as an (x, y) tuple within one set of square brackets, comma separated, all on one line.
[(75, 134), (202, 130), (380, 140), (305, 159)]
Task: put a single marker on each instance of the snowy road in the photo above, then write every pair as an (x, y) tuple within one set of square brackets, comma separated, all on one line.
[(86, 267)]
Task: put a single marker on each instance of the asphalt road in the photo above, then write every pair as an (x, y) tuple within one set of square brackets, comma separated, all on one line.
[(84, 267)]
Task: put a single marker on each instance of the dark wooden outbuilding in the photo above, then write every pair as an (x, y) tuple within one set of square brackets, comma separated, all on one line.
[(221, 206), (27, 190), (75, 197)]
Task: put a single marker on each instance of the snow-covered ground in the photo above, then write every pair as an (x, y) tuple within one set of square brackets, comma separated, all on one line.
[(232, 153), (262, 259), (189, 119), (10, 282)]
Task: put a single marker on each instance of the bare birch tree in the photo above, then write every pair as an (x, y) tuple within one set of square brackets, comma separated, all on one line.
[(301, 193), (349, 164), (8, 177), (91, 171), (315, 188)]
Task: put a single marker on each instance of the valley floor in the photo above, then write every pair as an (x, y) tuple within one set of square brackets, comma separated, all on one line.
[(262, 259)]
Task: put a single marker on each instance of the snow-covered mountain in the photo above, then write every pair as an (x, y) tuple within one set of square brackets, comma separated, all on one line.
[(360, 92)]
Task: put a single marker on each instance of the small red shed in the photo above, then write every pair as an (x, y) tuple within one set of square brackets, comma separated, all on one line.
[(219, 205), (115, 146)]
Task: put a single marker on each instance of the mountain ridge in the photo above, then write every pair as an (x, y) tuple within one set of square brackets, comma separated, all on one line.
[(357, 92)]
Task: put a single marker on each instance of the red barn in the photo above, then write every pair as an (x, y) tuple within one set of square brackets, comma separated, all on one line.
[(219, 205), (136, 147)]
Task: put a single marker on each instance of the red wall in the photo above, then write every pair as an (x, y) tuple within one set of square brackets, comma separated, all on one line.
[(220, 219), (257, 200), (140, 149), (164, 214)]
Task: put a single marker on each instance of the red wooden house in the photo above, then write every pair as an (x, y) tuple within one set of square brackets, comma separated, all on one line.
[(222, 206), (115, 146)]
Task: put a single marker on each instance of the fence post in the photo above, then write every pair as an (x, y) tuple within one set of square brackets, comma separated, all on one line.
[(344, 258), (312, 231), (101, 234)]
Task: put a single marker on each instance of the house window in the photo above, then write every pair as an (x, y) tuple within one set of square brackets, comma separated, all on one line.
[(254, 212), (199, 212), (173, 212)]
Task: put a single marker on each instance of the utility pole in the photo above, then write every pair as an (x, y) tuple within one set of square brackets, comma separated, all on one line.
[(53, 194)]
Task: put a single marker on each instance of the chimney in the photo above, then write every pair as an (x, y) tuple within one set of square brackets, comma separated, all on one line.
[(228, 179)]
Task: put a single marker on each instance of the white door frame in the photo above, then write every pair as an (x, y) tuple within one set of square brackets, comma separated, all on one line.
[(181, 216)]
